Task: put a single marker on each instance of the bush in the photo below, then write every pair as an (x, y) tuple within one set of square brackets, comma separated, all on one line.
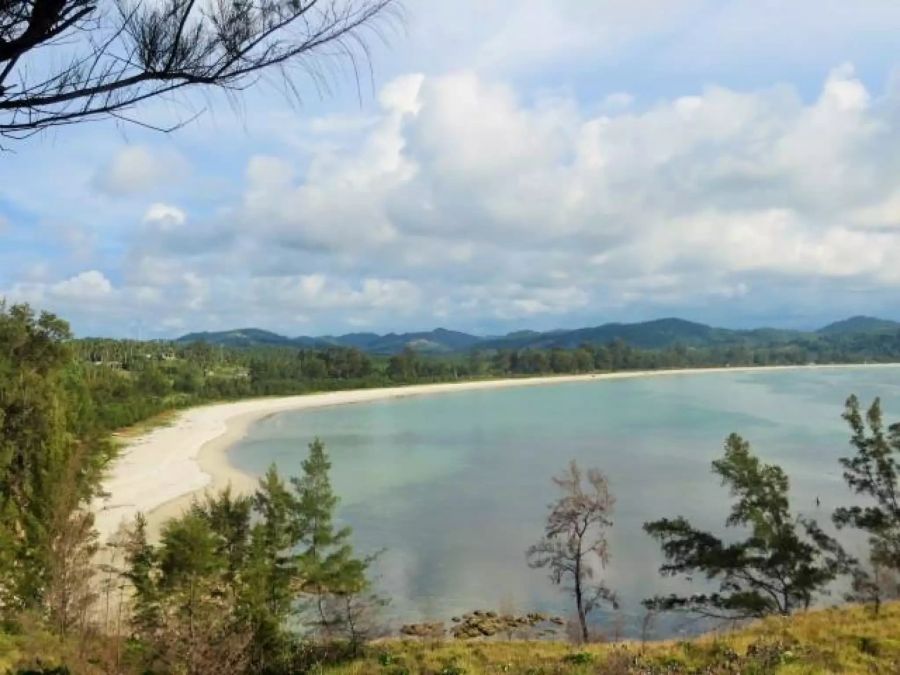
[(578, 658), (867, 645)]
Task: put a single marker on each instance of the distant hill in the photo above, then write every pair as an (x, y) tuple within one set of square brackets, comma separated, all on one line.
[(859, 324), (647, 335), (439, 340), (656, 334), (241, 337)]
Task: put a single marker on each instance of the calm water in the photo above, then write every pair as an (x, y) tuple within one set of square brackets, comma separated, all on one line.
[(455, 486)]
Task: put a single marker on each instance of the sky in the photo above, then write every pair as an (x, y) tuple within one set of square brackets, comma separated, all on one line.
[(538, 164)]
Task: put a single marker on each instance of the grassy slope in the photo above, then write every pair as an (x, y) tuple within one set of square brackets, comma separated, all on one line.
[(841, 640)]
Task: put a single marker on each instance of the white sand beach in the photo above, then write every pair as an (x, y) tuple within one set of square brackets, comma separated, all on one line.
[(158, 472)]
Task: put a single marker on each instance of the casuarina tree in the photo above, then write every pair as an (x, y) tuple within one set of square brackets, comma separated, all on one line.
[(873, 473), (325, 556), (68, 61), (574, 547), (782, 563)]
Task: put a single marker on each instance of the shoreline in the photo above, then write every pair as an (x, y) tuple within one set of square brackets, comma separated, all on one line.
[(159, 472)]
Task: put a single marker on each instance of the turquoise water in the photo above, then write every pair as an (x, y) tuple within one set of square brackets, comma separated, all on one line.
[(455, 486)]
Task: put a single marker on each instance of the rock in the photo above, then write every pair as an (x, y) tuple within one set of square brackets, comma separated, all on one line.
[(486, 624), (423, 630)]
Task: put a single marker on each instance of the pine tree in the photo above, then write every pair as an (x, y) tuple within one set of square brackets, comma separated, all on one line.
[(874, 472), (270, 572), (140, 560), (200, 628), (47, 471), (781, 565), (325, 561), (228, 515)]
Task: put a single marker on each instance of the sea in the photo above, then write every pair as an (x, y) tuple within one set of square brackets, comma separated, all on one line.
[(452, 488)]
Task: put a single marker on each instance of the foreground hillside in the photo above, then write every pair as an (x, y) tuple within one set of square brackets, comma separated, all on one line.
[(849, 639)]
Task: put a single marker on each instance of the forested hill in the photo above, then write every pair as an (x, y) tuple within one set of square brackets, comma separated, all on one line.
[(657, 334), (860, 324)]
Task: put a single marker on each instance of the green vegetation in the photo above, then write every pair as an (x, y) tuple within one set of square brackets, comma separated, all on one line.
[(858, 333), (125, 382), (849, 639), (874, 472), (269, 583), (229, 578), (784, 561), (51, 453)]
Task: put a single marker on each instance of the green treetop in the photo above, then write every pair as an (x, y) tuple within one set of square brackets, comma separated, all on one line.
[(325, 555), (779, 567)]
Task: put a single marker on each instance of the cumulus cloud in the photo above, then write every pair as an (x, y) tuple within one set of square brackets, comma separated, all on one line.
[(85, 287), (165, 216), (465, 203), (468, 202), (136, 169)]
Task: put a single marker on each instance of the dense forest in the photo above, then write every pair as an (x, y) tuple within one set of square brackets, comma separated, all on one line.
[(126, 381), (269, 582)]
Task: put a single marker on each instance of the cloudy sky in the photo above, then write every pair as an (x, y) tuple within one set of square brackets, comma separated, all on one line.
[(534, 164)]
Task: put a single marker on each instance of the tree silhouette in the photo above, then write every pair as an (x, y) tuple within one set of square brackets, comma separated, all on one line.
[(68, 61)]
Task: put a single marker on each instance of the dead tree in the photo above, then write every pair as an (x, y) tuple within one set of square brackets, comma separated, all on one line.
[(574, 545)]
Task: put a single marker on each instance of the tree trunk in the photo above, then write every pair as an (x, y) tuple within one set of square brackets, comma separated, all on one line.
[(579, 600), (192, 646)]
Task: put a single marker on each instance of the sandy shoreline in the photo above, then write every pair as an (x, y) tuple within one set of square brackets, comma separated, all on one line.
[(159, 472)]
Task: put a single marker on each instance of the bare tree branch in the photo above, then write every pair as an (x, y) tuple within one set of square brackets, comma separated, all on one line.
[(574, 544)]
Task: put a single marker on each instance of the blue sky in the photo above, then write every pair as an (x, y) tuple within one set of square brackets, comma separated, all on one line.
[(529, 164)]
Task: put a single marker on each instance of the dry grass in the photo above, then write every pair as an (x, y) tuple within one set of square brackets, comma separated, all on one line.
[(848, 639)]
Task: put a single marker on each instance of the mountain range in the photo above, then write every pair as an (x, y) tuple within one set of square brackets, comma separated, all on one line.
[(656, 334)]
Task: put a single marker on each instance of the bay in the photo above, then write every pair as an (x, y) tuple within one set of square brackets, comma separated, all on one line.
[(454, 487)]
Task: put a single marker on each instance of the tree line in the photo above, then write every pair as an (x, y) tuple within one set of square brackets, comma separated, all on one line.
[(126, 381)]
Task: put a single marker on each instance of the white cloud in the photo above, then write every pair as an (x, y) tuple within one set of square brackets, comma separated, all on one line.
[(89, 286), (462, 201), (471, 199), (138, 169), (316, 291), (85, 286), (164, 216)]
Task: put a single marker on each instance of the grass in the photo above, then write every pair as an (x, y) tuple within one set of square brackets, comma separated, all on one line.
[(848, 639)]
